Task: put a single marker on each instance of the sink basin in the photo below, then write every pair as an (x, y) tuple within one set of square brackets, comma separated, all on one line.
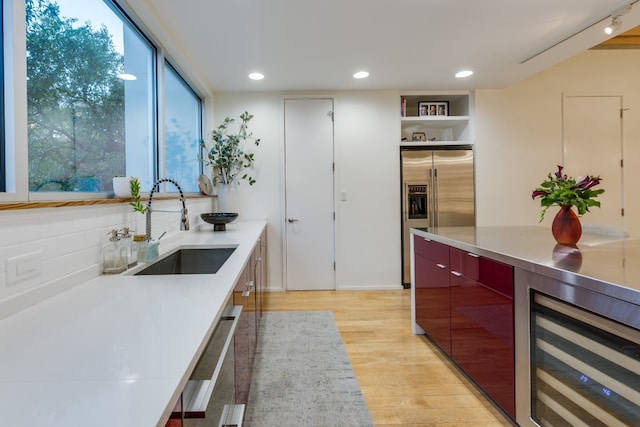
[(189, 261)]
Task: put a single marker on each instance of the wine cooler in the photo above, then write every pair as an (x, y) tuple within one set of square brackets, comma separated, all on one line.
[(579, 363), (585, 369)]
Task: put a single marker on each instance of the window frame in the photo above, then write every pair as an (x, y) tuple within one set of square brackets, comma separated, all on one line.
[(3, 161), (162, 56), (14, 141)]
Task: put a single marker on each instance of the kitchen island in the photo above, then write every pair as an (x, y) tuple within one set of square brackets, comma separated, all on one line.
[(521, 319), (118, 349)]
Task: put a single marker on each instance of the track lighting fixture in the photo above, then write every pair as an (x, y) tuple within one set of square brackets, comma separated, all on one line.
[(616, 21), (616, 24)]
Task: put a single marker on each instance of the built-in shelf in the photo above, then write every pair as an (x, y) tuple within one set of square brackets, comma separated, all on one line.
[(452, 127), (437, 122), (432, 143)]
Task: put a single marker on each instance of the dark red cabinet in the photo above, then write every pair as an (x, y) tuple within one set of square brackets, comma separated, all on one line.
[(482, 325), (464, 302), (432, 291)]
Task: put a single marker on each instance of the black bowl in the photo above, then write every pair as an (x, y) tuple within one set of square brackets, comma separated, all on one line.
[(219, 219)]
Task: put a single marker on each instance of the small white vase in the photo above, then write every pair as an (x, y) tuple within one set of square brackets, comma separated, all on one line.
[(122, 187), (227, 198)]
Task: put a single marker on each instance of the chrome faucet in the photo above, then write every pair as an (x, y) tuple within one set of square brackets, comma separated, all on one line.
[(184, 217)]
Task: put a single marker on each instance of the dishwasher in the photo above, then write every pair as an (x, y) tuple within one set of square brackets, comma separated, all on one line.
[(208, 399)]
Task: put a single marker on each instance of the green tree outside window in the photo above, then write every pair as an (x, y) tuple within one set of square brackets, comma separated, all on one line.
[(75, 103)]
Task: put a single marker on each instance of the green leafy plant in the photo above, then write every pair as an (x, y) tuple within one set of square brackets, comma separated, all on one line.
[(226, 155), (135, 195), (562, 190)]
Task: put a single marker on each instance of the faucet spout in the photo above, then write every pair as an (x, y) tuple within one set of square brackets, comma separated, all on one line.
[(184, 216)]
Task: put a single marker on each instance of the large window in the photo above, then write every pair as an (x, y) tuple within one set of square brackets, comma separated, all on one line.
[(182, 129), (92, 104)]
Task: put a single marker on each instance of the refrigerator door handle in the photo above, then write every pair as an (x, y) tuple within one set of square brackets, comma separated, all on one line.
[(436, 208), (430, 205), (405, 202)]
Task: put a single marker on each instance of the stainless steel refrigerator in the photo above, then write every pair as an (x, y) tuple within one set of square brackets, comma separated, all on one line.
[(437, 191)]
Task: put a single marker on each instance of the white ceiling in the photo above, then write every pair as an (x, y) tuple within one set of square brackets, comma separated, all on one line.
[(305, 45)]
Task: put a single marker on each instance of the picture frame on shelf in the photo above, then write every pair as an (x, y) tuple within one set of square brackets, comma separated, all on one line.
[(418, 136), (433, 108)]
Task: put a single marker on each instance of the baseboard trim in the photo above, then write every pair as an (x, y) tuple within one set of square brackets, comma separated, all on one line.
[(368, 287)]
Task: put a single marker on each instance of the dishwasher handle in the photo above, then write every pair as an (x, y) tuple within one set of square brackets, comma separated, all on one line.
[(197, 393)]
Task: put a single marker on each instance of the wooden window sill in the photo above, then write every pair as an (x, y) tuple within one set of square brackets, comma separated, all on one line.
[(68, 203)]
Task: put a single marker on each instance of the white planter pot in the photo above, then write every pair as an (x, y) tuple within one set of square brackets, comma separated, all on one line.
[(122, 187), (227, 198)]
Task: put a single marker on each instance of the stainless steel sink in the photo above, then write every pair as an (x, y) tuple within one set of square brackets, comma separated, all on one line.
[(189, 261)]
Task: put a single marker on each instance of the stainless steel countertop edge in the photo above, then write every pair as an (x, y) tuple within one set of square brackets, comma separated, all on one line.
[(451, 236)]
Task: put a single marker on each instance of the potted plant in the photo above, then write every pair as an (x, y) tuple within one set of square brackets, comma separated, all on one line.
[(226, 155), (229, 160), (139, 243), (134, 187), (567, 192)]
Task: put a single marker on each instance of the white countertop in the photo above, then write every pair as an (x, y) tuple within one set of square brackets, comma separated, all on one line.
[(118, 349)]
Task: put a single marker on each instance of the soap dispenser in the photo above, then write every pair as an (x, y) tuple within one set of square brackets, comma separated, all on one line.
[(114, 255), (130, 247)]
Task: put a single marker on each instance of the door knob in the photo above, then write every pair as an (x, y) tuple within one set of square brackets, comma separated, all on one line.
[(293, 220)]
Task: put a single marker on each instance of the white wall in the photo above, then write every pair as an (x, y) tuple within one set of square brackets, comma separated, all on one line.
[(368, 228), (367, 133), (263, 199), (518, 134)]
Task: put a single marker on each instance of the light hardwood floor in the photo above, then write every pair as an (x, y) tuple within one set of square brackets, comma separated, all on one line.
[(404, 379)]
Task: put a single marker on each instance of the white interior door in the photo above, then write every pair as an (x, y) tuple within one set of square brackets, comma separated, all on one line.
[(592, 127), (309, 198)]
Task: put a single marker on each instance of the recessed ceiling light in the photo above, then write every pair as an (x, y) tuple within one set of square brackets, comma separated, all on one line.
[(361, 75), (463, 74), (256, 76), (127, 76)]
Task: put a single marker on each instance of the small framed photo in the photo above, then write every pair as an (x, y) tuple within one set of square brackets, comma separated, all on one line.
[(435, 108), (418, 136)]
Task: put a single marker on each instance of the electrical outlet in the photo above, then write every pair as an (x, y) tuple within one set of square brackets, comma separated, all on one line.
[(23, 267)]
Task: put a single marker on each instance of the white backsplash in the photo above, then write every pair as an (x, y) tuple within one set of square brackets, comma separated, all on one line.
[(68, 243)]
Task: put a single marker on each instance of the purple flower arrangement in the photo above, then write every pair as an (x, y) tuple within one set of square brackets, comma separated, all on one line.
[(563, 190)]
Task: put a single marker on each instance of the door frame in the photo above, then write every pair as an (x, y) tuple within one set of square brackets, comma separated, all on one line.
[(283, 181)]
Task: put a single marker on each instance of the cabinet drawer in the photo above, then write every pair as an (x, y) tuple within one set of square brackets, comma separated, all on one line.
[(432, 301), (431, 250), (497, 276), (482, 335), (465, 263)]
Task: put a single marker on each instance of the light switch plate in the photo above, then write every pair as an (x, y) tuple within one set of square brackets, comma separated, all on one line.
[(23, 267)]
